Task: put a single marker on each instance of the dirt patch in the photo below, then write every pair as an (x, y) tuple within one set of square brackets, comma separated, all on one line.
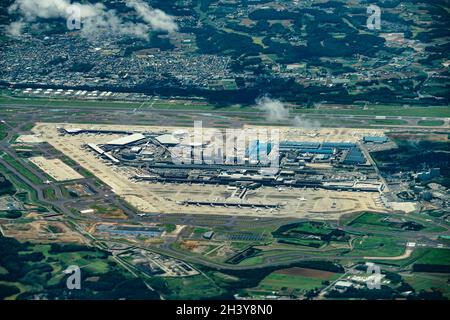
[(42, 231), (194, 246), (189, 245)]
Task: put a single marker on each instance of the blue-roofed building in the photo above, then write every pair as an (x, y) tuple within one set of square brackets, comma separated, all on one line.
[(255, 147), (375, 139), (152, 232), (338, 145), (354, 156), (299, 144)]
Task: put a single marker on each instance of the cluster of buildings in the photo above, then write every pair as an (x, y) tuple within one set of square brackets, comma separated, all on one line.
[(130, 231), (60, 92), (9, 203), (343, 152), (153, 264), (68, 61), (190, 69), (424, 176), (109, 63), (343, 166)]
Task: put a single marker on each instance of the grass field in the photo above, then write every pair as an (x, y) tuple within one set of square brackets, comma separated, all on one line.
[(200, 230), (252, 261), (27, 127), (3, 131), (38, 269), (368, 219), (384, 110), (425, 281), (391, 122), (91, 261), (49, 194), (375, 221), (85, 173), (284, 281), (403, 263), (21, 169), (18, 184), (194, 287), (303, 242), (25, 192), (275, 282), (378, 246), (313, 228), (431, 123), (299, 234), (3, 271), (435, 256)]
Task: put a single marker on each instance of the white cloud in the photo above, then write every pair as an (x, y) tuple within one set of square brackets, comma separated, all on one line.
[(47, 9), (15, 28), (157, 19), (96, 19), (302, 122), (276, 111)]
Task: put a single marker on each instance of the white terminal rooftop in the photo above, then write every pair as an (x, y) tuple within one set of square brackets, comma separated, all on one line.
[(96, 148), (343, 284), (127, 140), (73, 130), (167, 139)]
